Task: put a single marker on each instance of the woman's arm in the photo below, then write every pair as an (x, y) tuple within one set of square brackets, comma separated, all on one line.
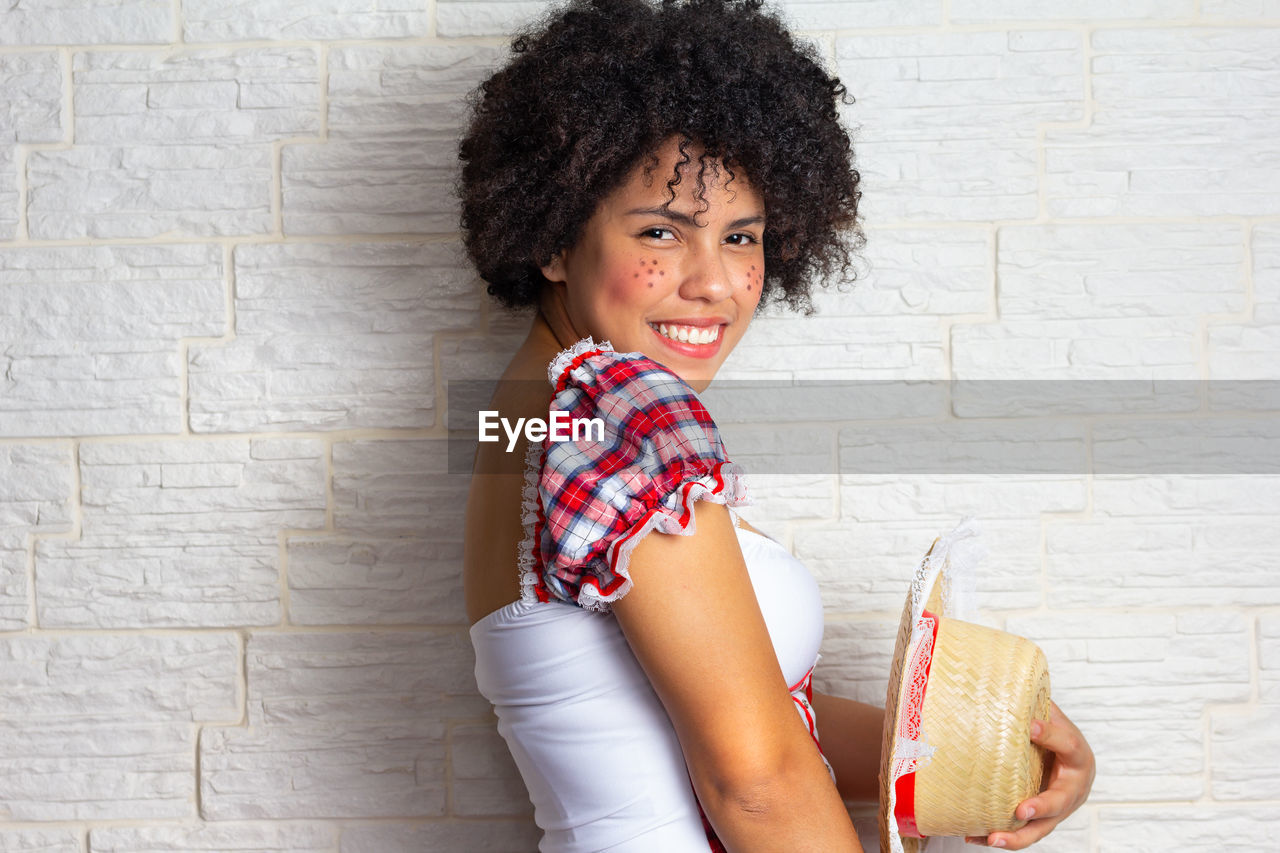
[(850, 734), (694, 624)]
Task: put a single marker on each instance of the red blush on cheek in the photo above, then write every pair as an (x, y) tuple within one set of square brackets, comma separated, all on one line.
[(624, 286)]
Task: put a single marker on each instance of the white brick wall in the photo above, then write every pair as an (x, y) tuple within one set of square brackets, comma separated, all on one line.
[(231, 294)]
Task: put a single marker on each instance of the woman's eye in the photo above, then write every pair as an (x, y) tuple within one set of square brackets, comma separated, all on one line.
[(655, 232), (746, 239)]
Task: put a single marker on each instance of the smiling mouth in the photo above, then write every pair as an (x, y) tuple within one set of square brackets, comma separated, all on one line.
[(688, 334)]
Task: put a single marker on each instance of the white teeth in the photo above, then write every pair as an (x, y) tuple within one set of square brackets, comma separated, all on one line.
[(688, 334)]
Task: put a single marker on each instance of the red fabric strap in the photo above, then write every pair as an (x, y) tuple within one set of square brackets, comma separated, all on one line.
[(904, 809)]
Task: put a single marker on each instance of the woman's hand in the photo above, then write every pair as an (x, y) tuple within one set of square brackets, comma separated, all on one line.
[(1070, 776)]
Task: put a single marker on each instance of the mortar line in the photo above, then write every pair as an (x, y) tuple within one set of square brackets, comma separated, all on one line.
[(277, 190), (995, 275), (1042, 569), (433, 628), (22, 151), (184, 344), (1009, 26), (352, 434), (323, 100), (282, 561), (243, 675), (190, 822), (1085, 121), (184, 389), (246, 239), (232, 44), (440, 407), (329, 511), (1232, 708), (76, 515), (948, 323), (1246, 315), (503, 41), (229, 275), (68, 117), (448, 767), (196, 793)]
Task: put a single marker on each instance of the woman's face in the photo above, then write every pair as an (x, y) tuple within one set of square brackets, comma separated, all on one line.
[(653, 279)]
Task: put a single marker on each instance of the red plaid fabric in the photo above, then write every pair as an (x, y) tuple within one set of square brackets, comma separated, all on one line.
[(596, 499)]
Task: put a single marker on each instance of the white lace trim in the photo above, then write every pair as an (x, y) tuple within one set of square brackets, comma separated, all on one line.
[(953, 563), (533, 473), (566, 356), (529, 521)]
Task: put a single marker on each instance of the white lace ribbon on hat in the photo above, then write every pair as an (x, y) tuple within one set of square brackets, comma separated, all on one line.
[(952, 563)]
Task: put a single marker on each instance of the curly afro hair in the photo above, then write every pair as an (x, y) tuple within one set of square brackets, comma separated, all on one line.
[(595, 87)]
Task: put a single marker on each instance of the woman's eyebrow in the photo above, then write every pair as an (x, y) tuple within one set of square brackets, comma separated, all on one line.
[(686, 219)]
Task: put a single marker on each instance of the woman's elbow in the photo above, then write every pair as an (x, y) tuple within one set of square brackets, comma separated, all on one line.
[(757, 784)]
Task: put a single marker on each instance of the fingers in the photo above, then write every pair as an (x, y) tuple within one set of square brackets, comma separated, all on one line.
[(1069, 776), (1061, 737), (1054, 801), (1024, 837)]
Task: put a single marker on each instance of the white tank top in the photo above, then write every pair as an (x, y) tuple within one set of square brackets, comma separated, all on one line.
[(592, 741)]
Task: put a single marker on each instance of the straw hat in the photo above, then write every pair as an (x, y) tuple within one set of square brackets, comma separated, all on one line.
[(957, 755)]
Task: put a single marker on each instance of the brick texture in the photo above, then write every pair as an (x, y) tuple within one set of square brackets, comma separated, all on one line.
[(333, 336), (180, 533), (234, 306), (126, 308), (35, 499)]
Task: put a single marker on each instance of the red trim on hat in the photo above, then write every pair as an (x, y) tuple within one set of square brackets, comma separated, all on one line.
[(904, 808)]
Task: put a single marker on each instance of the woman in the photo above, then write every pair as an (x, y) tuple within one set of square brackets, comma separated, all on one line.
[(647, 176)]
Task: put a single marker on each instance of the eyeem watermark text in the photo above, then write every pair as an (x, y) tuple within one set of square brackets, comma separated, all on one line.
[(560, 427)]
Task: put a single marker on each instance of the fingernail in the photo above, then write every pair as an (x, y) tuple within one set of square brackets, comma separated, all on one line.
[(1036, 728), (999, 842), (1029, 813)]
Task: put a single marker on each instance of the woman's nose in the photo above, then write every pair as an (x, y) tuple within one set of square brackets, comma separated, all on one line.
[(705, 276)]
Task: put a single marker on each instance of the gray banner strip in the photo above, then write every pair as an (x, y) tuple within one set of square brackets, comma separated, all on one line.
[(966, 427)]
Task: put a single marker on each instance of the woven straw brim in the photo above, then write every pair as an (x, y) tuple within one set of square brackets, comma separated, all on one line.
[(985, 687), (889, 735)]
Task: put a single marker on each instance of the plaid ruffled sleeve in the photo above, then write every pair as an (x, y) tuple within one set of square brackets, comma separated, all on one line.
[(597, 495)]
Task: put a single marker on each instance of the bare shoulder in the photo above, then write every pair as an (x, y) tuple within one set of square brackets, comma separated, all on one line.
[(493, 528)]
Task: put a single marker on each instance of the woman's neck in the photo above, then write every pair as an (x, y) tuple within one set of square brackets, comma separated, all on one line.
[(553, 316)]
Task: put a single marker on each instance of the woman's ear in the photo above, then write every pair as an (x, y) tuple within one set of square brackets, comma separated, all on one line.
[(553, 270)]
